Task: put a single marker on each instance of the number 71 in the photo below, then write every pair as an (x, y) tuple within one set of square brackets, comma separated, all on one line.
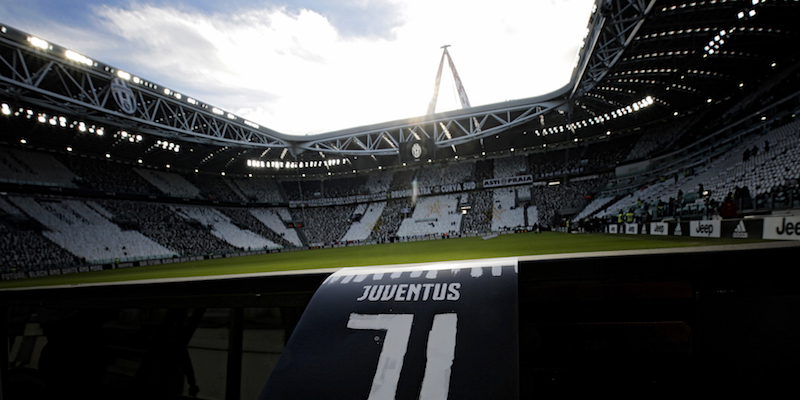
[(439, 354)]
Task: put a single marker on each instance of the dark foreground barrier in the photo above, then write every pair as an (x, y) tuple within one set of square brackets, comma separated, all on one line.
[(701, 320)]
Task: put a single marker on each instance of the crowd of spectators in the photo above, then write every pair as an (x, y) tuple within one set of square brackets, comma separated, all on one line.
[(17, 233), (432, 216), (222, 227), (324, 226), (107, 176), (162, 224), (259, 189), (759, 170), (34, 167), (216, 188), (245, 219), (478, 218), (170, 183), (751, 171), (505, 212), (443, 174), (276, 219), (388, 223), (549, 200), (364, 219), (79, 228), (510, 166)]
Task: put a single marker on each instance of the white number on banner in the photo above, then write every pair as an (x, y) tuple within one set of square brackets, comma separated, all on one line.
[(440, 353)]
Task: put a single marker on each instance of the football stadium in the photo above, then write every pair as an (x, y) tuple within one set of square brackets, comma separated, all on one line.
[(629, 233)]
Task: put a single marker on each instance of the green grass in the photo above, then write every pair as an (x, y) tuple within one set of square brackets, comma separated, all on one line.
[(524, 244)]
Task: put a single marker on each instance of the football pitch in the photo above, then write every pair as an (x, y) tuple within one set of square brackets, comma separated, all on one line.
[(521, 244)]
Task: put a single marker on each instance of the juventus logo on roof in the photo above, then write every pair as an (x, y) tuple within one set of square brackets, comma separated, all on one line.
[(123, 95)]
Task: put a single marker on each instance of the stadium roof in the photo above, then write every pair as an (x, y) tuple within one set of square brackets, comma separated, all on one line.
[(643, 63)]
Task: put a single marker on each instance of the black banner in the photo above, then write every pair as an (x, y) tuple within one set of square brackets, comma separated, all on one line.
[(438, 331)]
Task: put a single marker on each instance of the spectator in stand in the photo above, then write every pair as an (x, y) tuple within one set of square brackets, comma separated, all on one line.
[(728, 207)]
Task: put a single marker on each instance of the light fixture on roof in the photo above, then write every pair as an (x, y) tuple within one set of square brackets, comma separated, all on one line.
[(39, 43), (79, 58)]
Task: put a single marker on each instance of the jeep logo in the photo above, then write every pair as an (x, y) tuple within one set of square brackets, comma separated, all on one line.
[(706, 229), (788, 229)]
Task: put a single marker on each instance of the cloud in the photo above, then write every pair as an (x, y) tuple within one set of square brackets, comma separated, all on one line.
[(357, 18), (315, 66)]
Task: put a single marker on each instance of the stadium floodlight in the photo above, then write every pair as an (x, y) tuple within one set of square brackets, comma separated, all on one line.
[(5, 109), (69, 148), (124, 75), (39, 43), (23, 141), (80, 58)]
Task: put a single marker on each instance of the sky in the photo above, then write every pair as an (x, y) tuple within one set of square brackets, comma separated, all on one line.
[(303, 67)]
